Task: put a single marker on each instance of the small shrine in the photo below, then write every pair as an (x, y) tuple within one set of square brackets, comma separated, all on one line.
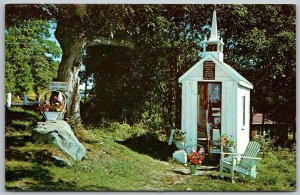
[(215, 100)]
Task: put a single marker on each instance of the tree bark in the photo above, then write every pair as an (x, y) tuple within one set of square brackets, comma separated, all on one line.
[(72, 43)]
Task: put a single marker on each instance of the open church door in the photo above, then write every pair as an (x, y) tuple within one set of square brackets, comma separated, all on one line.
[(209, 115)]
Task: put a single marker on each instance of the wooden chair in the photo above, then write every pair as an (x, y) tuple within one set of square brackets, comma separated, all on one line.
[(246, 165)]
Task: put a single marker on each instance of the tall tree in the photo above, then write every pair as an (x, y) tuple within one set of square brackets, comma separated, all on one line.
[(30, 57), (77, 27)]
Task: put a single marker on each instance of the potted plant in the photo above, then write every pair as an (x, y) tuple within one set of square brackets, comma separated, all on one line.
[(196, 158), (179, 138), (227, 142)]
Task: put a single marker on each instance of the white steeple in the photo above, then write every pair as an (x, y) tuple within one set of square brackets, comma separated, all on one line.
[(214, 46), (214, 28)]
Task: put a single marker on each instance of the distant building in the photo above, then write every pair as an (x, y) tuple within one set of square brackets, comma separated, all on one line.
[(268, 128)]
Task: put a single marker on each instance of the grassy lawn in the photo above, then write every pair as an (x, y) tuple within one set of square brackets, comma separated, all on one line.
[(114, 165)]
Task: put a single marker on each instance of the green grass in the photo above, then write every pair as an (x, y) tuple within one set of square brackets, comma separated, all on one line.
[(111, 166)]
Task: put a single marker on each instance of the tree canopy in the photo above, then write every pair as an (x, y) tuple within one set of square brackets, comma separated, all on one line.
[(138, 52), (30, 57)]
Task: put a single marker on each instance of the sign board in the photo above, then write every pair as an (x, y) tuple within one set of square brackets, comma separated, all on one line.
[(209, 70), (60, 86)]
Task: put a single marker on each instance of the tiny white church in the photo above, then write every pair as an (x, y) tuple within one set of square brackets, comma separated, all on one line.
[(215, 100)]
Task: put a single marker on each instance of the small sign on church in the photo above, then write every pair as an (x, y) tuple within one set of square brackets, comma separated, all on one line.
[(209, 70), (60, 86)]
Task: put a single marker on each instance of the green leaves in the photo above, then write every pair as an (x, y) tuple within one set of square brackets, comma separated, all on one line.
[(30, 57)]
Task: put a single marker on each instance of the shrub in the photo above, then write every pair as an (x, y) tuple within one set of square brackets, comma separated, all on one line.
[(122, 132), (277, 171), (266, 144)]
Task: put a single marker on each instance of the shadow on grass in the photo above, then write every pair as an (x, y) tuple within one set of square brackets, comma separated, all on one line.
[(41, 157), (42, 180), (16, 141), (37, 173), (13, 151), (151, 146)]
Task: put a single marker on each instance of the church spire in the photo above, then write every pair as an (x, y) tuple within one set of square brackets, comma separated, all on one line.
[(214, 28), (214, 45)]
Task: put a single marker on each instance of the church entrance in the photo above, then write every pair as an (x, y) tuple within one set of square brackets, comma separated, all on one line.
[(209, 115)]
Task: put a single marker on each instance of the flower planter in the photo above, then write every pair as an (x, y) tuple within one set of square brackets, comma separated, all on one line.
[(179, 144), (52, 106), (51, 116)]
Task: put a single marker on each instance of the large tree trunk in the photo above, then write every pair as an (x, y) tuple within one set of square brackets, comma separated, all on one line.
[(72, 43)]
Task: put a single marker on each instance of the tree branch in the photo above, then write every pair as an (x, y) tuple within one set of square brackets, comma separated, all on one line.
[(113, 42)]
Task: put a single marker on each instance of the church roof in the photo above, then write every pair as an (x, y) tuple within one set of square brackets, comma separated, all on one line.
[(225, 67)]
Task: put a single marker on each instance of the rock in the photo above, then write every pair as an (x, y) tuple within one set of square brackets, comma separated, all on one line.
[(61, 162), (61, 135)]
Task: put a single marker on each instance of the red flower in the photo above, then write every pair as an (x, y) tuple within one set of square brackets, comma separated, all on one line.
[(196, 158)]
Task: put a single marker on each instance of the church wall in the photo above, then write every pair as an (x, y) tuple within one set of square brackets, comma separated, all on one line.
[(189, 112), (243, 128)]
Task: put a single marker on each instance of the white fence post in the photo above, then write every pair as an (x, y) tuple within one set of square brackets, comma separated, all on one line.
[(25, 100), (8, 100)]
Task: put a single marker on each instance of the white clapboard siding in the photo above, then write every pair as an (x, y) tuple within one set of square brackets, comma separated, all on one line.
[(229, 113), (234, 86), (189, 112)]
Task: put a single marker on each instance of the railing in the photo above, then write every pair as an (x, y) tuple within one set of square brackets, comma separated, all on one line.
[(25, 102)]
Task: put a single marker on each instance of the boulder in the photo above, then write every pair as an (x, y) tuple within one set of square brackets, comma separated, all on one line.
[(61, 162), (60, 134)]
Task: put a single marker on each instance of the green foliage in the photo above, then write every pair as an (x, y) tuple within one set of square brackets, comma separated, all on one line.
[(29, 57), (179, 135), (144, 80), (122, 132), (266, 144), (226, 140), (278, 171), (139, 81), (74, 123), (269, 47)]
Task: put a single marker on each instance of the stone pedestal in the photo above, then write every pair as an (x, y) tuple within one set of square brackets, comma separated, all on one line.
[(60, 134), (180, 156)]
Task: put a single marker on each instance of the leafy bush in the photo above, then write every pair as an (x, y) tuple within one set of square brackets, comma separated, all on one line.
[(266, 144), (277, 171), (122, 132), (179, 135)]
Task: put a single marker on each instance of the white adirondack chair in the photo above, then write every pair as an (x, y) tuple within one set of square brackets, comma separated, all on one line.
[(246, 165)]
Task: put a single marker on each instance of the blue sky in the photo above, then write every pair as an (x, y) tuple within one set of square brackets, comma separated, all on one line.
[(52, 37)]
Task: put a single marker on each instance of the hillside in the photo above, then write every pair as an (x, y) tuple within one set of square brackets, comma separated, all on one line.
[(112, 166)]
